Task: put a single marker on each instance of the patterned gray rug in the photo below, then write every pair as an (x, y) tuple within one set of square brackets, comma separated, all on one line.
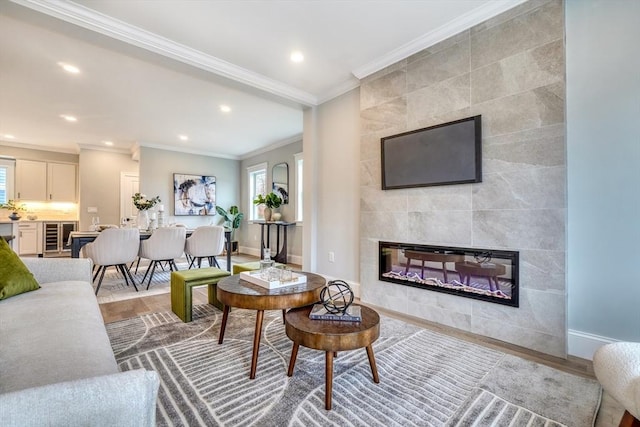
[(114, 287), (426, 378)]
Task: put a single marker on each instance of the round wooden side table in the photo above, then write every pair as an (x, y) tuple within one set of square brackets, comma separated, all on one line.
[(235, 292), (332, 336)]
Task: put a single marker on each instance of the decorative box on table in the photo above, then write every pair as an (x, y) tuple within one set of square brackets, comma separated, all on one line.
[(255, 277)]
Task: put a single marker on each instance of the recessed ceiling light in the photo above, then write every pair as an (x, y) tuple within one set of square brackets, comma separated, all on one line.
[(109, 143), (68, 118), (183, 137), (69, 68), (297, 56), (8, 136), (225, 108)]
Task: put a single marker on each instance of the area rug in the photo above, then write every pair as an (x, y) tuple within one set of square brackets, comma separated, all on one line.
[(426, 378), (114, 287)]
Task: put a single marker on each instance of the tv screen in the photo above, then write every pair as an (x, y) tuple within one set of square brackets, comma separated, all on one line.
[(450, 153)]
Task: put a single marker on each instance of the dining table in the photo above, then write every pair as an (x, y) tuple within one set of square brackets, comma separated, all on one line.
[(77, 239)]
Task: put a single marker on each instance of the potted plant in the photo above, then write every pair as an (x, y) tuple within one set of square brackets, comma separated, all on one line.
[(271, 201), (232, 219), (14, 208)]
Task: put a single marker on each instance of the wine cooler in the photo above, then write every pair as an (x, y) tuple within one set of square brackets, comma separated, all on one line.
[(56, 237)]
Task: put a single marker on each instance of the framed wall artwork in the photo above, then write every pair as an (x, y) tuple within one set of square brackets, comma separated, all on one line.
[(194, 194)]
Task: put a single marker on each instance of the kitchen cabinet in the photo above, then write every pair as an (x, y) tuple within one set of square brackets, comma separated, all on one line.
[(61, 182), (46, 181), (31, 180), (29, 238)]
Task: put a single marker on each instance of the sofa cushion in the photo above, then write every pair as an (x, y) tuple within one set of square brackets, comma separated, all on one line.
[(121, 399), (15, 277), (53, 335)]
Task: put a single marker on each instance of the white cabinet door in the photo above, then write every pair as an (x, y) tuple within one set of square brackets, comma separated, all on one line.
[(28, 235), (31, 180), (61, 182)]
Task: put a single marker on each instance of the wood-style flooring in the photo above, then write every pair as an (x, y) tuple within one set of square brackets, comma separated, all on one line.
[(609, 414)]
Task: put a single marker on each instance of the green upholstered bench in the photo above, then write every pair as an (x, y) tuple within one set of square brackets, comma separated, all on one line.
[(182, 283), (248, 266)]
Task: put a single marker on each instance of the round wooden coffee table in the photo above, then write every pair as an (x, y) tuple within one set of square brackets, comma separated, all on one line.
[(332, 336), (235, 292)]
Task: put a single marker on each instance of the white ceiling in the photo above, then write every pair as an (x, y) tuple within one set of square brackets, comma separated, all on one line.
[(152, 70)]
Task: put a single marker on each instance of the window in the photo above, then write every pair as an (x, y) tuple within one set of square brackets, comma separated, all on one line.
[(257, 185), (6, 180), (297, 160)]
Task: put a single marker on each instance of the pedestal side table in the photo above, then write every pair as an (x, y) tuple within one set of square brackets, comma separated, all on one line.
[(332, 336)]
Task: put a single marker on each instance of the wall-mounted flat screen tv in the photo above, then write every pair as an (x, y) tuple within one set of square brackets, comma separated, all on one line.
[(449, 153)]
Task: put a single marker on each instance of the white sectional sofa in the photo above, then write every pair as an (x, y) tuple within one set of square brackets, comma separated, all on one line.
[(56, 363)]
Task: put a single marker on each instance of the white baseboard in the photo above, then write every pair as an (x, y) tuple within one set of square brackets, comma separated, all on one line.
[(584, 344), (249, 251)]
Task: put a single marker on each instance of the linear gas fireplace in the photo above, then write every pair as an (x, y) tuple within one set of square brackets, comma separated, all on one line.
[(485, 274)]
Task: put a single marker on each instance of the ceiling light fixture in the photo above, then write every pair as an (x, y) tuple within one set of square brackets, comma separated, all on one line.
[(109, 143), (183, 137), (225, 108), (69, 118), (8, 136), (69, 68), (297, 56)]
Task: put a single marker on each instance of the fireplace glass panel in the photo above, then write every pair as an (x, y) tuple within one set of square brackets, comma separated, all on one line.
[(485, 274)]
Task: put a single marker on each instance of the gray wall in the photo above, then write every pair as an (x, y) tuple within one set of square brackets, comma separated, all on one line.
[(332, 188), (100, 184), (603, 149), (249, 234), (510, 70), (338, 210), (156, 179)]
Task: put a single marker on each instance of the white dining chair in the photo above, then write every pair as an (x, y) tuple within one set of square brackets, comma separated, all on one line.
[(164, 245), (114, 247), (205, 242)]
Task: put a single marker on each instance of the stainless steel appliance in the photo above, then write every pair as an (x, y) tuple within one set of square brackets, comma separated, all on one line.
[(56, 237)]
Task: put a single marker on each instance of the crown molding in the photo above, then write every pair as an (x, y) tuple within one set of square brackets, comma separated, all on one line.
[(281, 143), (87, 18), (197, 151), (341, 89), (40, 147), (104, 148), (462, 23)]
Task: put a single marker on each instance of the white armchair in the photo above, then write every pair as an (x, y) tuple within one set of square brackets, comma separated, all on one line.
[(114, 247), (205, 242), (617, 367), (165, 244)]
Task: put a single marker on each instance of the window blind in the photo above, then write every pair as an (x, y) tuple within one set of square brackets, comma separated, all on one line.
[(3, 184)]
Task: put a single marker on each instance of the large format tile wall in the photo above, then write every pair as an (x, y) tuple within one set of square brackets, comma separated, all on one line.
[(511, 70)]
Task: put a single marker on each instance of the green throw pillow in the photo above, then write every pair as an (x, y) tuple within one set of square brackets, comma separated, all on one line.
[(15, 277)]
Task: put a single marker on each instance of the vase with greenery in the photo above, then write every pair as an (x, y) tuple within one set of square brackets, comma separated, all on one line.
[(270, 201), (232, 219), (143, 204), (15, 209)]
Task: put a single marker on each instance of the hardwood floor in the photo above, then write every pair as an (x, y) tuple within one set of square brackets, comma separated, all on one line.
[(610, 411)]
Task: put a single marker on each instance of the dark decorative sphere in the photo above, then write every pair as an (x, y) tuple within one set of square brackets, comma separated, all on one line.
[(336, 297)]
